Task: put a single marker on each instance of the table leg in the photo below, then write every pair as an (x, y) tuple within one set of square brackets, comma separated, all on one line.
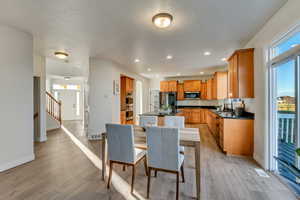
[(104, 153), (198, 170)]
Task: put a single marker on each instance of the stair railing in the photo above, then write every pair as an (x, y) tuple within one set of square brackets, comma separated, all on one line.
[(53, 107)]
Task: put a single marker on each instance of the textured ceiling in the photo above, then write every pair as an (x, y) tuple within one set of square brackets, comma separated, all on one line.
[(121, 30)]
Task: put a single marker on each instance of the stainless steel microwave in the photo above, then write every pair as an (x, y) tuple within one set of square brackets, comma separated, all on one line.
[(192, 95)]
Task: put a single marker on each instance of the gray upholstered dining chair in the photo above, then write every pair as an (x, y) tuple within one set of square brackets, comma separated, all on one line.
[(120, 142), (175, 122), (148, 121), (163, 153)]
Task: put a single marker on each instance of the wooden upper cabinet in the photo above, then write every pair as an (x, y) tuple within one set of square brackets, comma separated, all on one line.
[(168, 86), (192, 86), (204, 90), (129, 85), (220, 88), (164, 86), (123, 93), (180, 92), (241, 74), (209, 89), (172, 86)]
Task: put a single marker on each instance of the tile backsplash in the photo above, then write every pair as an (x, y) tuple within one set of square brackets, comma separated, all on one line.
[(199, 103), (249, 103)]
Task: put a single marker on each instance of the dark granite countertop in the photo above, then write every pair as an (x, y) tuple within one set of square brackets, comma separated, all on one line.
[(229, 115), (159, 114), (203, 107)]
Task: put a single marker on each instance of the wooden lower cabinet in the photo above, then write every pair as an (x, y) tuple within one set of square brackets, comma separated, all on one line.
[(193, 115), (161, 121), (237, 136), (234, 136)]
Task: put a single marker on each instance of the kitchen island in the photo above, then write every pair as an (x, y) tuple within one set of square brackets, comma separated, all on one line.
[(161, 116)]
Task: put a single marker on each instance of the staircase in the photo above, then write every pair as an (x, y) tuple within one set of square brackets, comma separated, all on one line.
[(53, 108)]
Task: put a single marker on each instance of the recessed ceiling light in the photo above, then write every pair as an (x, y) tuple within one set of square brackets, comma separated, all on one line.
[(162, 20), (169, 57), (61, 54), (137, 60), (149, 69), (294, 45), (224, 59), (201, 72), (207, 53)]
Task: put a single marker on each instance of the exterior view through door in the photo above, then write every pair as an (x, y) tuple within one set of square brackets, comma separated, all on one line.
[(284, 115), (72, 101)]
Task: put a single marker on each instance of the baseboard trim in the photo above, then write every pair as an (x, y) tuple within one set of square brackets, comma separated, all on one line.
[(15, 163), (53, 129)]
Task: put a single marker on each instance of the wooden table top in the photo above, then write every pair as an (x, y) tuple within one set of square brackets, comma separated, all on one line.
[(188, 136)]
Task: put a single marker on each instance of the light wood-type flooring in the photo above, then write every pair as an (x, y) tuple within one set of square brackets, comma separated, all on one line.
[(62, 171)]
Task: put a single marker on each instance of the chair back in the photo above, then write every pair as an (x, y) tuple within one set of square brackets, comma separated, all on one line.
[(146, 121), (174, 121), (120, 143), (163, 148)]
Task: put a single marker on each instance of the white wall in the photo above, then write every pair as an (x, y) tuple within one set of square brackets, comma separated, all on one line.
[(16, 102), (39, 70), (104, 106), (285, 19)]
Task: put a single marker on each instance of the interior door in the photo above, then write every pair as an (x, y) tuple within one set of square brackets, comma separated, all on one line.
[(69, 106)]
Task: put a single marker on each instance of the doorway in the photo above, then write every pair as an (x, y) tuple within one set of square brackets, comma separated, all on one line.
[(284, 109)]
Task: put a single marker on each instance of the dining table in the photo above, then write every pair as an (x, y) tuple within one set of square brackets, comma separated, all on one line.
[(189, 137)]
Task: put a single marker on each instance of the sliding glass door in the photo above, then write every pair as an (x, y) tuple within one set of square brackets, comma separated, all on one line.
[(284, 109)]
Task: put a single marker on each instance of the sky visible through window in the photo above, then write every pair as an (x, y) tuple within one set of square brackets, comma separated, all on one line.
[(286, 72)]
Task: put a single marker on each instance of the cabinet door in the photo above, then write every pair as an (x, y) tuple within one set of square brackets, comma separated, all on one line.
[(187, 115), (204, 90), (196, 86), (209, 90), (172, 86), (164, 86), (245, 74), (233, 77), (180, 93), (202, 116), (196, 116), (214, 88), (123, 93), (192, 86), (129, 85)]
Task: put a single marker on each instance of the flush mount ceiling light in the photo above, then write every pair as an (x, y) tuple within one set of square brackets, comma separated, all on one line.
[(201, 73), (137, 60), (224, 59), (169, 57), (61, 55), (67, 78), (207, 53), (162, 20)]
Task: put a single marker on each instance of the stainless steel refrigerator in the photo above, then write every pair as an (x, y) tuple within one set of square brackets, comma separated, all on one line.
[(168, 99)]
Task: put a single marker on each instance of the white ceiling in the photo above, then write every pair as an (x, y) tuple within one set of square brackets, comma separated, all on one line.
[(121, 30)]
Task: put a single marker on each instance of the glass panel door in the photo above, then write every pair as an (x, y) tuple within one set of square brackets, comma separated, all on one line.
[(285, 119)]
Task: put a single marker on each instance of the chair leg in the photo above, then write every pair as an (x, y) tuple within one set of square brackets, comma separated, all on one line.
[(133, 176), (124, 167), (177, 186), (155, 173), (110, 174), (182, 172), (146, 167), (149, 182)]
